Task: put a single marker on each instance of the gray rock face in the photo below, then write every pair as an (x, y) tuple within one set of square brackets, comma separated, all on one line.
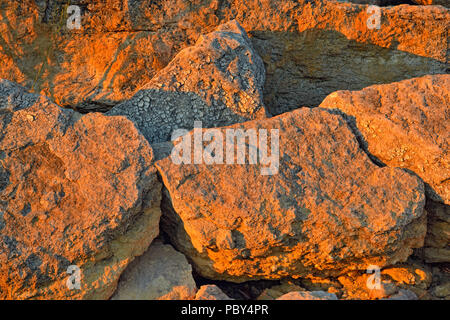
[(218, 81), (161, 273), (78, 194), (308, 295)]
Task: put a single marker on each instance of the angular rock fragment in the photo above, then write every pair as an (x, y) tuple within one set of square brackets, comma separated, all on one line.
[(310, 48), (211, 292), (218, 82), (313, 202), (405, 124), (306, 295), (161, 273), (79, 199)]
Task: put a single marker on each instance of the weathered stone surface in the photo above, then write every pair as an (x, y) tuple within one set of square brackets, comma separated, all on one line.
[(326, 210), (403, 295), (442, 291), (363, 286), (445, 3), (405, 124), (218, 82), (74, 190), (310, 48), (161, 273), (305, 295), (211, 292), (277, 291), (437, 240)]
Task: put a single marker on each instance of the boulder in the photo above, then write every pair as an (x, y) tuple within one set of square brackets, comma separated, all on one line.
[(79, 199), (218, 82), (437, 240), (316, 205), (211, 292), (161, 273), (306, 295), (310, 48), (275, 292), (404, 124)]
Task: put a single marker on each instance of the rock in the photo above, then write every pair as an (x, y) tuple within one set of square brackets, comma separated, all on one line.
[(433, 255), (211, 292), (305, 295), (78, 194), (317, 205), (161, 273), (415, 111), (310, 49), (365, 287), (275, 292), (442, 291), (445, 3), (218, 81), (437, 240), (409, 275), (403, 295)]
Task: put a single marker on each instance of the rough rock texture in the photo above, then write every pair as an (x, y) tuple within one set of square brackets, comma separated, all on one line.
[(277, 291), (405, 124), (310, 48), (74, 190), (326, 210), (218, 81), (305, 295), (211, 292), (402, 295), (161, 273), (445, 3), (437, 240)]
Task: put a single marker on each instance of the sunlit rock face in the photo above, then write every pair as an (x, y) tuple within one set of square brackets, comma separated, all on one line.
[(218, 81), (326, 208), (161, 273), (405, 124), (79, 199), (309, 48)]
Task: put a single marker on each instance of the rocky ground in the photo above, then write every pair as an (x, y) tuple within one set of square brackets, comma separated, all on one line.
[(353, 204)]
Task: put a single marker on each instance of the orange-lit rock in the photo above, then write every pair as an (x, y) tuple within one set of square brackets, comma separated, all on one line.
[(310, 49), (211, 292), (218, 81), (75, 191), (405, 124), (445, 3), (308, 295), (327, 209)]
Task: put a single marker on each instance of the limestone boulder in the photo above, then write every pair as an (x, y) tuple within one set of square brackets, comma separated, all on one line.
[(305, 200), (79, 199), (161, 273), (211, 292), (404, 124), (218, 82), (309, 48)]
